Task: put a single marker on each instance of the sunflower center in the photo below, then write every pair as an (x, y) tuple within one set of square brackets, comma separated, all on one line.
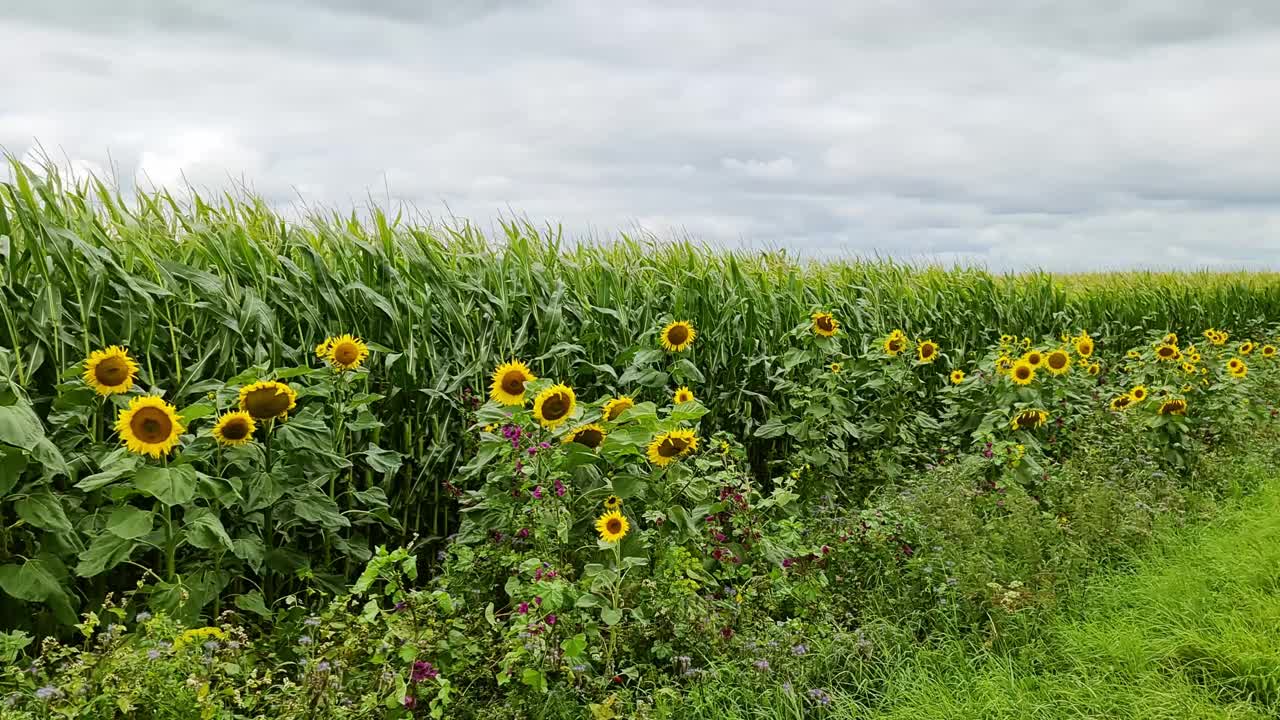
[(1023, 373), (614, 526), (1166, 351), (824, 323), (672, 446), (151, 425), (235, 430), (111, 371), (513, 382), (589, 437), (926, 350), (266, 403), (1057, 361), (1034, 358), (617, 409), (346, 353), (1026, 420), (895, 345), (677, 335), (555, 407)]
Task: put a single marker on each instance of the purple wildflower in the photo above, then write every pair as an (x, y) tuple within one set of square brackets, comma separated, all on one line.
[(422, 670), (762, 665), (48, 692), (551, 619), (304, 640), (523, 609), (537, 492)]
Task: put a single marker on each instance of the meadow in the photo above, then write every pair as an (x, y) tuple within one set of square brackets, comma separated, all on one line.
[(360, 466)]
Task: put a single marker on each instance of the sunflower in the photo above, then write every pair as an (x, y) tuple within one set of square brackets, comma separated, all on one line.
[(234, 428), (1138, 393), (613, 502), (508, 383), (957, 377), (1094, 369), (268, 399), (590, 435), (1174, 406), (825, 324), (347, 352), (1133, 354), (1220, 337), (678, 336), (322, 350), (1120, 403), (668, 446), (1246, 347), (1029, 420), (836, 367), (927, 351), (1268, 351), (1237, 368), (1034, 358), (1057, 362), (612, 526), (1023, 372), (554, 405), (1167, 353), (1007, 339), (1195, 357), (1170, 339), (149, 426), (1084, 346), (616, 406), (1189, 368), (110, 371), (895, 343)]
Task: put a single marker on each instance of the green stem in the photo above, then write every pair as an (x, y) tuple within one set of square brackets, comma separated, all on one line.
[(268, 529), (170, 544)]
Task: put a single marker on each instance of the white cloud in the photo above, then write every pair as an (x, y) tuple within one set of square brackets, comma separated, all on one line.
[(776, 169)]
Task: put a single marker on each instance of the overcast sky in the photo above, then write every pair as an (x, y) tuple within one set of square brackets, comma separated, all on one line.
[(1012, 133)]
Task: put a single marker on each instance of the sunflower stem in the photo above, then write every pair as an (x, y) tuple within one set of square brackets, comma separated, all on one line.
[(268, 531)]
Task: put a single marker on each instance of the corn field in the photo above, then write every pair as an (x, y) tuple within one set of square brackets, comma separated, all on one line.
[(202, 287)]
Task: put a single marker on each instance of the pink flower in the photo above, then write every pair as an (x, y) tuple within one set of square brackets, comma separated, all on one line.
[(537, 492), (551, 619), (523, 609), (410, 702)]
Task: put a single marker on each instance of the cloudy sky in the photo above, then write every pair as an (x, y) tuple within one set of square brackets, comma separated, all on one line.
[(1012, 133)]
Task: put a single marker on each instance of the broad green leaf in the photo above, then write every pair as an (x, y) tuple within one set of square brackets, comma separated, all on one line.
[(317, 508), (12, 462), (19, 426), (170, 485), (253, 602), (205, 531), (45, 511), (108, 476), (574, 646), (104, 552), (610, 616), (129, 523)]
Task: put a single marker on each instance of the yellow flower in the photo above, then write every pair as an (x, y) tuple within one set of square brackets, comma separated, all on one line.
[(554, 405), (957, 377), (1057, 362), (683, 395), (110, 371), (1220, 338), (1121, 402), (1084, 346), (1004, 364), (895, 343), (149, 426), (507, 386), (268, 399), (825, 324), (322, 350), (1138, 393), (1174, 406), (613, 502), (234, 428), (1170, 339), (927, 351), (617, 406), (1094, 369), (1022, 373), (678, 336), (590, 435), (1034, 358), (1007, 339), (1246, 347), (1268, 351), (1237, 368), (1167, 353), (1029, 420), (1133, 354), (666, 447), (612, 526), (347, 352), (198, 636), (836, 367)]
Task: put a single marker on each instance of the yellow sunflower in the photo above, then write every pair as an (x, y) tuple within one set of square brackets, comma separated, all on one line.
[(1004, 364), (1084, 346), (683, 395), (1237, 368), (1170, 339), (612, 526), (507, 385), (957, 377), (234, 428), (895, 343), (1034, 357), (927, 351), (1167, 353), (1174, 406), (110, 371), (347, 352), (1268, 351), (1133, 354), (1057, 362), (668, 446), (616, 406), (590, 435), (1246, 347), (613, 502), (149, 426), (1220, 337), (1138, 393), (835, 367), (1022, 373), (1007, 339), (1120, 403), (678, 336), (268, 399), (322, 350), (1094, 369), (1189, 368), (554, 405), (825, 324), (1029, 420)]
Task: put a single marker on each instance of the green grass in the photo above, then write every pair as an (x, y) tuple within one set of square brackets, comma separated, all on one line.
[(1193, 632)]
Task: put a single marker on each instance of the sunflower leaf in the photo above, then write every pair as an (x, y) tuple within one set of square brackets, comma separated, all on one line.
[(170, 485)]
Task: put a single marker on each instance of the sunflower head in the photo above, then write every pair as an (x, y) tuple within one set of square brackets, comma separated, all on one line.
[(1246, 347), (268, 399), (1121, 403), (613, 502), (1167, 353), (1007, 339), (149, 426), (1057, 362), (1034, 358), (554, 405), (110, 371), (1029, 419), (895, 343), (507, 385), (1173, 406), (835, 367), (1022, 373), (666, 447), (1084, 346), (234, 428), (927, 351), (1094, 369), (347, 352), (612, 526), (678, 336), (1268, 351), (1004, 364), (1237, 368), (590, 435), (957, 377), (616, 406), (322, 350), (1133, 354), (1138, 393), (1220, 337), (825, 324), (1170, 339), (683, 395)]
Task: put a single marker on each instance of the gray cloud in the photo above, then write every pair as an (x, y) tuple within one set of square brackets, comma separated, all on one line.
[(1016, 134)]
